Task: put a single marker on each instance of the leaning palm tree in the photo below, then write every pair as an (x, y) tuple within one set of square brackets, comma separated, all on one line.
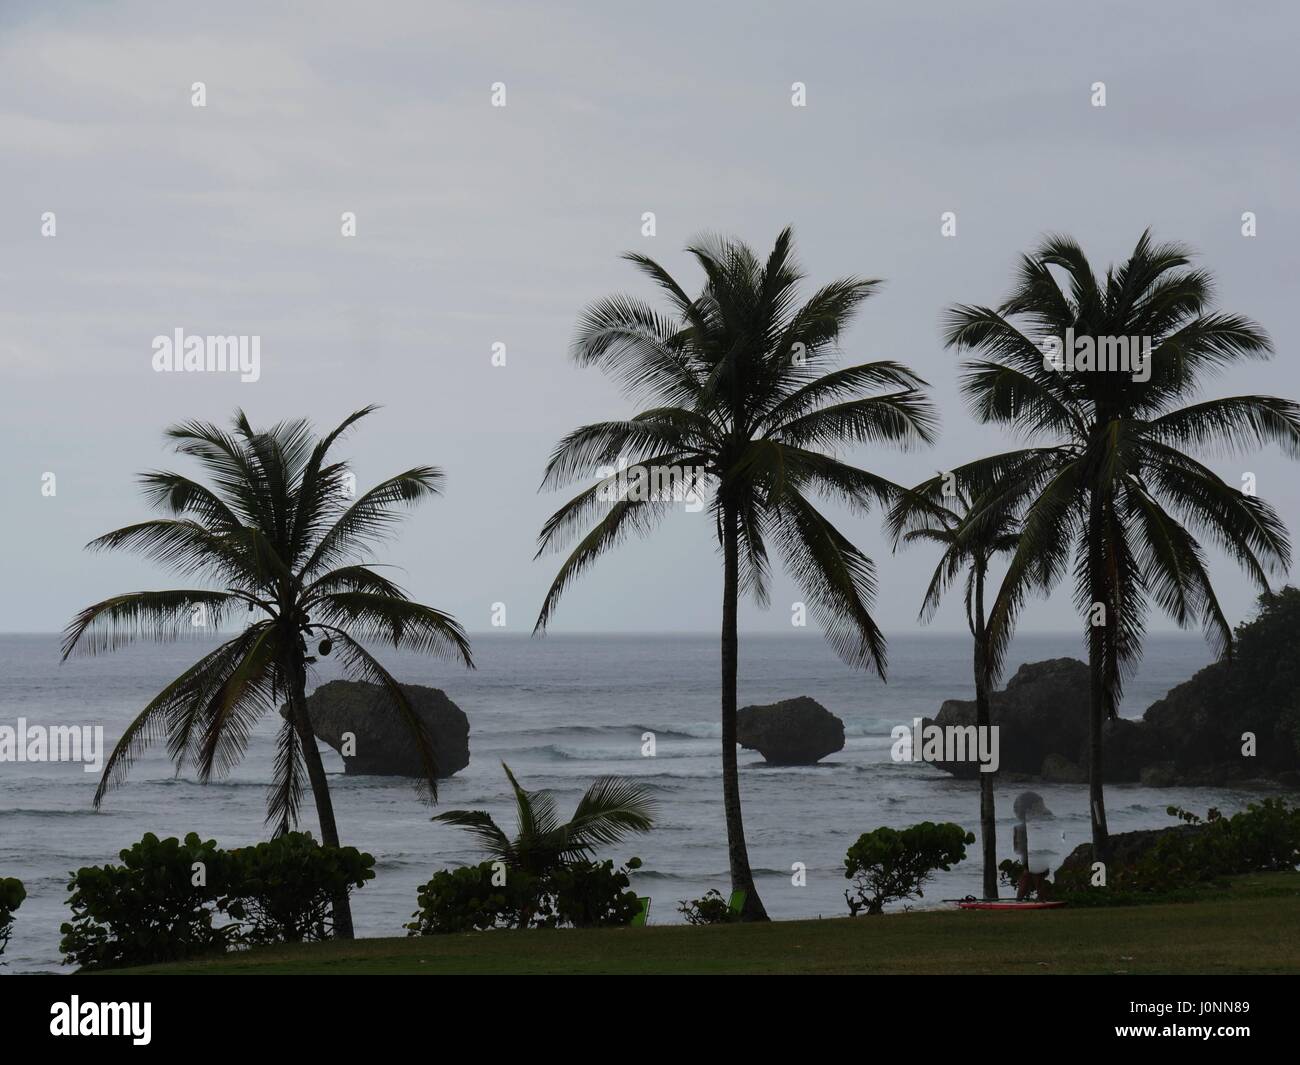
[(971, 534), (279, 532), (609, 810), (740, 397), (1115, 487)]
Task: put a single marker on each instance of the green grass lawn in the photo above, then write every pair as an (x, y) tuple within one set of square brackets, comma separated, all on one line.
[(1253, 927)]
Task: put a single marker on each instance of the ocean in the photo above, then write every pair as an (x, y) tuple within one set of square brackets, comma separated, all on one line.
[(561, 711)]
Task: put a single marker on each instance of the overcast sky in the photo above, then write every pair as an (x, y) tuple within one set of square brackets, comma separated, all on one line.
[(478, 225)]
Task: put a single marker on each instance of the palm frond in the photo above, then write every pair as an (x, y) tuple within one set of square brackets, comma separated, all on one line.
[(164, 615)]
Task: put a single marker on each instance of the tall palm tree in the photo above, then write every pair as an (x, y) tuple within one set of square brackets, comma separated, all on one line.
[(281, 534), (740, 393), (971, 533), (1115, 486), (609, 810)]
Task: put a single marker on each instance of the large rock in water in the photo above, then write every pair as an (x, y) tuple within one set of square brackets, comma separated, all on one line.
[(1204, 722), (797, 731), (1042, 720), (1042, 717), (1236, 720), (384, 745)]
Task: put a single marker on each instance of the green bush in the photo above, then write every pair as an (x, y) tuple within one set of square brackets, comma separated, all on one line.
[(149, 908), (489, 895), (12, 894), (594, 894), (1264, 837), (284, 889), (170, 900), (475, 898), (891, 864), (709, 908), (1010, 871)]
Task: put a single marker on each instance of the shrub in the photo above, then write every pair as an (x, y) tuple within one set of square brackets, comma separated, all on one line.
[(476, 898), (150, 908), (891, 864), (283, 890), (1262, 838), (1265, 837), (594, 894), (1010, 871), (581, 894), (170, 900), (12, 894), (709, 908)]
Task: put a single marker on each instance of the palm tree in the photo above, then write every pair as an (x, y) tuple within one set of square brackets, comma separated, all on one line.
[(971, 534), (609, 810), (740, 396), (1115, 486), (280, 531)]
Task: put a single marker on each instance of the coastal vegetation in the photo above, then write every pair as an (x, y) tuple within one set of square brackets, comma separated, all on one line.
[(171, 899), (709, 908), (609, 811), (891, 865), (1113, 492), (543, 876), (283, 533), (12, 894), (1250, 926), (1264, 837), (972, 534), (578, 894), (741, 399), (739, 384)]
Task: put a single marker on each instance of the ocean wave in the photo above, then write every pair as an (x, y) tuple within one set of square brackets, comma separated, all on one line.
[(658, 874), (516, 739), (29, 812), (171, 782), (577, 754), (687, 732), (615, 755)]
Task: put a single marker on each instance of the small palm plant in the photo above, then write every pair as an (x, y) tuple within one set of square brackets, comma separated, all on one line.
[(971, 534), (609, 810), (1114, 491), (743, 394), (280, 532)]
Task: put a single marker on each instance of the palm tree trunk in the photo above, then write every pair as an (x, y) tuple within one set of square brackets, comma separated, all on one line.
[(742, 879), (1097, 635), (983, 720), (320, 789)]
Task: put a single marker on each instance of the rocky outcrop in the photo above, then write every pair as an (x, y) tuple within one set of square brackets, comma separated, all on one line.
[(1199, 733), (1059, 770), (382, 744), (1042, 713), (797, 731), (1237, 719), (1126, 849)]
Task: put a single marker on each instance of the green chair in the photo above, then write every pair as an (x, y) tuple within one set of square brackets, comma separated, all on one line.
[(643, 914), (736, 903)]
